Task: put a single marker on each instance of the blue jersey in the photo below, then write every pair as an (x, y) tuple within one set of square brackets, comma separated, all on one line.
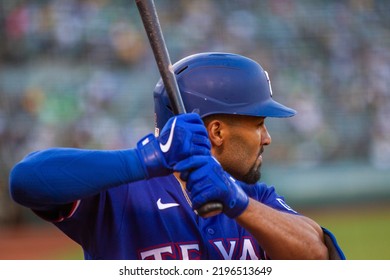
[(145, 219), (153, 219)]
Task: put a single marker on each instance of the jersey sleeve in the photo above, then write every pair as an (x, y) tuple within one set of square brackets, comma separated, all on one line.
[(58, 213), (335, 252), (267, 195), (96, 221)]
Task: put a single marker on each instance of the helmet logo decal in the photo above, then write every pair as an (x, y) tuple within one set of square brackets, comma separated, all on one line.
[(269, 82)]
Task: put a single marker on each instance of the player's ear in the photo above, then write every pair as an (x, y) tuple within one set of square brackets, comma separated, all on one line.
[(215, 129)]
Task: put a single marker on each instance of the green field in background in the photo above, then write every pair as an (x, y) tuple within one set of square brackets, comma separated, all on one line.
[(363, 232)]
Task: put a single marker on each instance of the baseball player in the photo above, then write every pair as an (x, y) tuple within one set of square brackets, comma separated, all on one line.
[(142, 203)]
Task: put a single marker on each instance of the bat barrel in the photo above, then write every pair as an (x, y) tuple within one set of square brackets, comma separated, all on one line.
[(157, 42)]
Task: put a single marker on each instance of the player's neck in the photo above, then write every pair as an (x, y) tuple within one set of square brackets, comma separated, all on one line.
[(182, 183), (183, 187)]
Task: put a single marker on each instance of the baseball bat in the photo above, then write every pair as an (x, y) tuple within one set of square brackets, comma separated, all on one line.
[(148, 13)]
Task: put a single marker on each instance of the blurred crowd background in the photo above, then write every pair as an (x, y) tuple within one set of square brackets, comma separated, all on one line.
[(80, 73)]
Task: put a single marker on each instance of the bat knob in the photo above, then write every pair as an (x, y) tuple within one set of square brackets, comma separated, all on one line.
[(210, 209)]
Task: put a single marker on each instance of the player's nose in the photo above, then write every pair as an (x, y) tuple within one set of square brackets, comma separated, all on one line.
[(265, 137)]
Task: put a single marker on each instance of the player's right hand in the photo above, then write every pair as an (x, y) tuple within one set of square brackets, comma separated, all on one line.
[(183, 136), (208, 182)]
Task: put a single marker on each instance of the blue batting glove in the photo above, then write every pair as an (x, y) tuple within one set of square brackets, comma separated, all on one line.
[(183, 136), (208, 182)]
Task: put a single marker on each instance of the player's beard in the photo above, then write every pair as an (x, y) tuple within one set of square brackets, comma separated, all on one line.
[(254, 173)]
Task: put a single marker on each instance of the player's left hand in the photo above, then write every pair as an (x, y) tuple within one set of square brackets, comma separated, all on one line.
[(208, 182), (182, 136)]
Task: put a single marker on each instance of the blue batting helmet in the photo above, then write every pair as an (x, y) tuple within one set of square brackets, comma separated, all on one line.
[(220, 83)]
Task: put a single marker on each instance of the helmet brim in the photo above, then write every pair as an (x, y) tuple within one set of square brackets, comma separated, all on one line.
[(269, 108), (273, 109)]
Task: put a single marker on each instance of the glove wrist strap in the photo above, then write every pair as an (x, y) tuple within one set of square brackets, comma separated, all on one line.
[(151, 156)]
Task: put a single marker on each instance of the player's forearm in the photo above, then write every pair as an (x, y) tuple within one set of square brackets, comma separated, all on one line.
[(63, 175), (282, 235)]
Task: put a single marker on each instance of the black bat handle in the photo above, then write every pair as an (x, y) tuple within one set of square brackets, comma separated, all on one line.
[(151, 23)]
